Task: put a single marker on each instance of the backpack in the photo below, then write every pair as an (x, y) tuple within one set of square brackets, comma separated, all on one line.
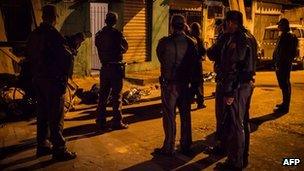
[(294, 41)]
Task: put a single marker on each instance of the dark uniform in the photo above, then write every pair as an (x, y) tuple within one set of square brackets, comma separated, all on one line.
[(247, 78), (51, 61), (283, 56), (235, 79), (214, 54), (177, 54), (197, 83), (110, 44)]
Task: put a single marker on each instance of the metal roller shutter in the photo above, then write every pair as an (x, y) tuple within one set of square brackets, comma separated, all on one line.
[(135, 30), (98, 13)]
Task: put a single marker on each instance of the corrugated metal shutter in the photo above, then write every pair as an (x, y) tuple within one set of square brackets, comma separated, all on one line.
[(98, 13), (135, 30)]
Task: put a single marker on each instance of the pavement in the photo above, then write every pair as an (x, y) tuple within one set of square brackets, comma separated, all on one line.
[(273, 137)]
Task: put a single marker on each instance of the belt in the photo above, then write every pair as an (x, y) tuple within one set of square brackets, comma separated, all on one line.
[(113, 63)]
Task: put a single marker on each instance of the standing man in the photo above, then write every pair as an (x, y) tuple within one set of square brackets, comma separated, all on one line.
[(51, 62), (283, 56), (214, 54), (237, 70), (111, 44), (197, 85), (177, 54)]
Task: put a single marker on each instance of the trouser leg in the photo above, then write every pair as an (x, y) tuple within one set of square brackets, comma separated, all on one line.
[(219, 113), (169, 97), (184, 106), (117, 84), (286, 90), (56, 115), (197, 90), (236, 138), (42, 116), (202, 92), (104, 93), (247, 135), (283, 77), (247, 128)]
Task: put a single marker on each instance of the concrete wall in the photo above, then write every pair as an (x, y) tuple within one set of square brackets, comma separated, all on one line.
[(207, 28), (294, 15), (74, 18), (266, 14), (6, 63), (118, 7)]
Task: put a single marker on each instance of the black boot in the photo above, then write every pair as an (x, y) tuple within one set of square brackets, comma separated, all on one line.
[(281, 110), (63, 154), (101, 123), (43, 151), (227, 167), (245, 162), (119, 125), (201, 106), (163, 152), (217, 150)]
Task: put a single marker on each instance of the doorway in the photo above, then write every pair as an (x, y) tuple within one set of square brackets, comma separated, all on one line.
[(98, 12)]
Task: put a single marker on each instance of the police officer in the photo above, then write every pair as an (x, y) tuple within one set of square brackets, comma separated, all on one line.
[(214, 54), (111, 44), (198, 84), (283, 56), (236, 76), (51, 62), (177, 54)]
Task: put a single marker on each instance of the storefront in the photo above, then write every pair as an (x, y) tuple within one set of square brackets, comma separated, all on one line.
[(191, 9)]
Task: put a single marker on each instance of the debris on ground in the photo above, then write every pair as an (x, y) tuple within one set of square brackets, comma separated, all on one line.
[(209, 77), (89, 97), (130, 96), (14, 106), (134, 95)]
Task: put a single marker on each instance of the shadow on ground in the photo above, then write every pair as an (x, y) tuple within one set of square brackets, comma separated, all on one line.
[(181, 162), (136, 114), (87, 130), (198, 147), (256, 122)]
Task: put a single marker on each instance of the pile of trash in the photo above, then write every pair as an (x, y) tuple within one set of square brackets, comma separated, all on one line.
[(12, 107), (134, 95), (131, 96), (209, 77), (13, 100)]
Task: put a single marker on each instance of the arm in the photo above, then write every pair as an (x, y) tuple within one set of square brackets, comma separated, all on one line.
[(285, 51), (201, 48), (160, 49), (61, 53), (124, 44), (235, 53), (214, 52)]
